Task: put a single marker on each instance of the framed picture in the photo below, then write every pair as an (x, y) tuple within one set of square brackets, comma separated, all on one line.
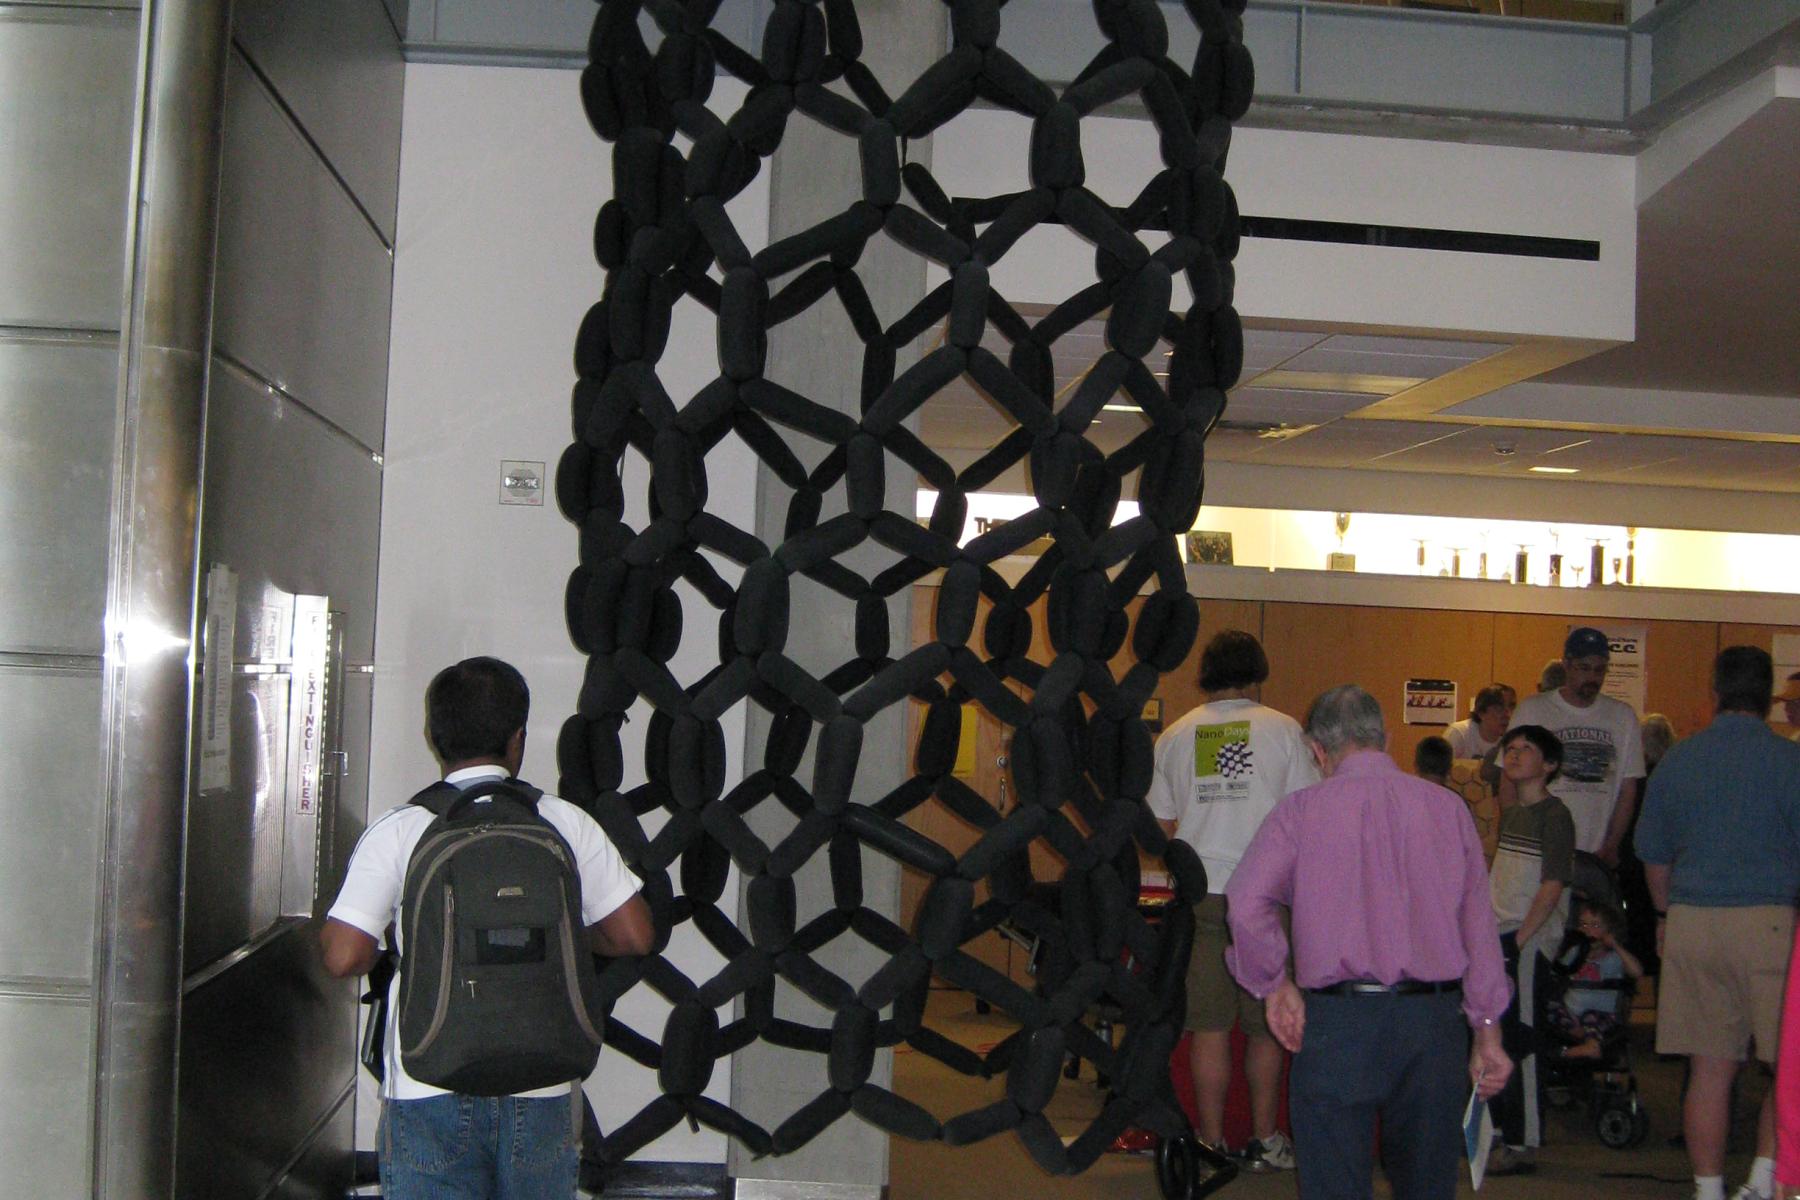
[(1211, 546)]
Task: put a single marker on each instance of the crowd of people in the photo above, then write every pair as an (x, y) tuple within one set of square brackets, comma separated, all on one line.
[(1357, 923)]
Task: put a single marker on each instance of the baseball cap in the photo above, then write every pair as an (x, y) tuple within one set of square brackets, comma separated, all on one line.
[(1585, 642), (1792, 689)]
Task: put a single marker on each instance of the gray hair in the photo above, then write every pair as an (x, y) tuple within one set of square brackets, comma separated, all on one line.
[(1659, 735), (1346, 717)]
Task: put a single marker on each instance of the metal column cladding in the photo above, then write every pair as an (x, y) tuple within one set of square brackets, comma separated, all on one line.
[(1081, 752), (150, 606)]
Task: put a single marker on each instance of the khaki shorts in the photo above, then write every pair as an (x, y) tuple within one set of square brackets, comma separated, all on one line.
[(1215, 1002), (1722, 977)]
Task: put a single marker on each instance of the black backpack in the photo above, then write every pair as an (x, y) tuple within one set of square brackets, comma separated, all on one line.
[(498, 992)]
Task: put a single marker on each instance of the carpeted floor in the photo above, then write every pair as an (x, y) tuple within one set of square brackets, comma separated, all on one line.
[(1573, 1164)]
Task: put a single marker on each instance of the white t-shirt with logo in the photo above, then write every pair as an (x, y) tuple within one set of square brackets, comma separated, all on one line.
[(1603, 745), (370, 897), (1219, 771)]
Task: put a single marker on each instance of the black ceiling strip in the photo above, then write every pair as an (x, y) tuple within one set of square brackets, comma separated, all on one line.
[(1355, 233)]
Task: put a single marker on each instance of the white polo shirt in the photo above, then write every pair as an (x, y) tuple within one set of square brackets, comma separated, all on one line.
[(370, 897)]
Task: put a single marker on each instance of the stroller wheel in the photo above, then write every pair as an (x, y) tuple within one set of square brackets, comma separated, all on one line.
[(1622, 1124), (1187, 1169), (1175, 1167)]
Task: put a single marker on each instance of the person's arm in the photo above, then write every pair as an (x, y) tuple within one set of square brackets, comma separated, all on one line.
[(625, 932), (1620, 824), (1628, 961), (1557, 844), (348, 950), (1489, 1067), (1656, 881), (1166, 825), (1486, 991), (366, 902), (1542, 905), (1261, 885)]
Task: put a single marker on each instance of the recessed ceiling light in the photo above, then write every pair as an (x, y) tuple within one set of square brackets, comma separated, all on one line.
[(1121, 408), (1557, 470)]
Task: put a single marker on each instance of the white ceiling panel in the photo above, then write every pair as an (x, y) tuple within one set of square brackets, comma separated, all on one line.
[(1354, 443), (1314, 406), (1416, 347), (1328, 358), (1266, 349)]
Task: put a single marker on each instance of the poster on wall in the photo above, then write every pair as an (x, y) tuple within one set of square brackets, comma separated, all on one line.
[(215, 678), (1429, 702), (1625, 674)]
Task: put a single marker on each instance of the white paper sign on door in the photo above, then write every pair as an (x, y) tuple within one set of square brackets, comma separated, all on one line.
[(218, 663)]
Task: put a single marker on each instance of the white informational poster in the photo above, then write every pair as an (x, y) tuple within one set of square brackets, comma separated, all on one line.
[(312, 644), (1625, 675), (1429, 702), (216, 671)]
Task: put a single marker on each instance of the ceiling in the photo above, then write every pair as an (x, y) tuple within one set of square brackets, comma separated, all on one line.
[(1707, 396)]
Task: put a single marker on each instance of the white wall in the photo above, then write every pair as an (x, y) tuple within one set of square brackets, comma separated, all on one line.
[(1354, 178), (500, 181)]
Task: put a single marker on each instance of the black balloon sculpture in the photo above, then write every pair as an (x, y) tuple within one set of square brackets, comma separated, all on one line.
[(1081, 752)]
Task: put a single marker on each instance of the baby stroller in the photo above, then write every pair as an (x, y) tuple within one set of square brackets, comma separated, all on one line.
[(1603, 1082)]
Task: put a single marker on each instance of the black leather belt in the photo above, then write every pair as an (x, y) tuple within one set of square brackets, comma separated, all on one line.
[(1406, 987)]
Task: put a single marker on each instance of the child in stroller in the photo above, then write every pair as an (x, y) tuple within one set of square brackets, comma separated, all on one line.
[(1585, 1015), (1590, 985)]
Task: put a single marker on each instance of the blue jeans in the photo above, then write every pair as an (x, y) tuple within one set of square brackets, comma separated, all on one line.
[(477, 1148)]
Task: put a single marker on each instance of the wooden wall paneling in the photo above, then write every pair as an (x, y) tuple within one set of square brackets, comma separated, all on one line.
[(1523, 643), (1678, 658), (1313, 647)]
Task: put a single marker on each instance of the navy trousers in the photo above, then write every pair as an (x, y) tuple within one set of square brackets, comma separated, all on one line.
[(1404, 1059)]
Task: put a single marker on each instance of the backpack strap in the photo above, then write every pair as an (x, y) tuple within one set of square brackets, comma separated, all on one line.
[(443, 800)]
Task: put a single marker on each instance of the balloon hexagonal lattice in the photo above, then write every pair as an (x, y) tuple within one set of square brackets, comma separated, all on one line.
[(1081, 752)]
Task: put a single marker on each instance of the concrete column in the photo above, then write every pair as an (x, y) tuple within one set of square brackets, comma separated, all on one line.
[(815, 175)]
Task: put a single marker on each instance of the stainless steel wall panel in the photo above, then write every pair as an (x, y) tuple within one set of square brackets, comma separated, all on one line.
[(65, 162), (49, 822), (267, 1051), (47, 1061), (292, 506), (336, 66), (57, 405), (304, 282), (324, 1168), (234, 834)]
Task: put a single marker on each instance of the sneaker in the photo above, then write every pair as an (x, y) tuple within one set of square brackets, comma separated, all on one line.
[(1273, 1153), (1749, 1193), (1511, 1160)]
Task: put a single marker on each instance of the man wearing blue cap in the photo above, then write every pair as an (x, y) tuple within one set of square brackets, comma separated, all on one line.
[(1603, 748)]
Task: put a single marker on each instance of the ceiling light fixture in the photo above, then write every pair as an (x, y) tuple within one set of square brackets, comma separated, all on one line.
[(1557, 470)]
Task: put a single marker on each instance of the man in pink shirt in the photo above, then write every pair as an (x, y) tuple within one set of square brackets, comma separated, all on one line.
[(1395, 957)]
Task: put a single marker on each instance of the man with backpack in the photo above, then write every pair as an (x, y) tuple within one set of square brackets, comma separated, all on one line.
[(498, 897)]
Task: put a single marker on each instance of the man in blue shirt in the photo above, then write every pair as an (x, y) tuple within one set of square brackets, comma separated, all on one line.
[(1720, 841)]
